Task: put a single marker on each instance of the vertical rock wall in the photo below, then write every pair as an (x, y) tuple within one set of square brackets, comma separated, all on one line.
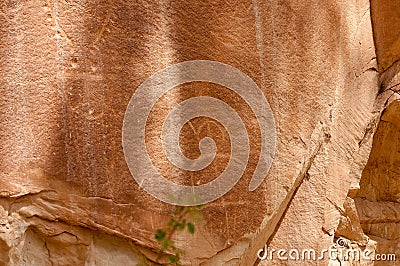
[(377, 201), (68, 70)]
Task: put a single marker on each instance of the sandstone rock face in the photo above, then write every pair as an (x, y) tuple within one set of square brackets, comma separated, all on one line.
[(70, 68), (378, 199), (385, 17)]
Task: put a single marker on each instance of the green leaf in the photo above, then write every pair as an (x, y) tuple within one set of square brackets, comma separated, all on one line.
[(172, 258), (167, 243), (181, 226), (172, 222), (190, 227), (164, 244), (160, 235)]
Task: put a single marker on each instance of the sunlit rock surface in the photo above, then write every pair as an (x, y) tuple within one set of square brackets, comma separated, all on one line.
[(68, 70)]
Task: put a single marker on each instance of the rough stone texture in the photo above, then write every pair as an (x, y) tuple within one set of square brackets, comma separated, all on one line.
[(378, 201), (378, 198), (41, 242), (381, 178), (68, 70), (386, 18)]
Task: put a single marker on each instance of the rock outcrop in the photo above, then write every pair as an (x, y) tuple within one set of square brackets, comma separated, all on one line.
[(68, 70)]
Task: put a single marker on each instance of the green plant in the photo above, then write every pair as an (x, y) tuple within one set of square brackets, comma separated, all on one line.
[(181, 218)]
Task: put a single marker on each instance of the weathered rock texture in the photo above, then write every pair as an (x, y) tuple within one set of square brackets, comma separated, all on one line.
[(69, 68), (385, 16)]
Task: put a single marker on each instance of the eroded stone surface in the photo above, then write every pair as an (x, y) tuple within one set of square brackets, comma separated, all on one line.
[(385, 17), (378, 201), (68, 71)]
